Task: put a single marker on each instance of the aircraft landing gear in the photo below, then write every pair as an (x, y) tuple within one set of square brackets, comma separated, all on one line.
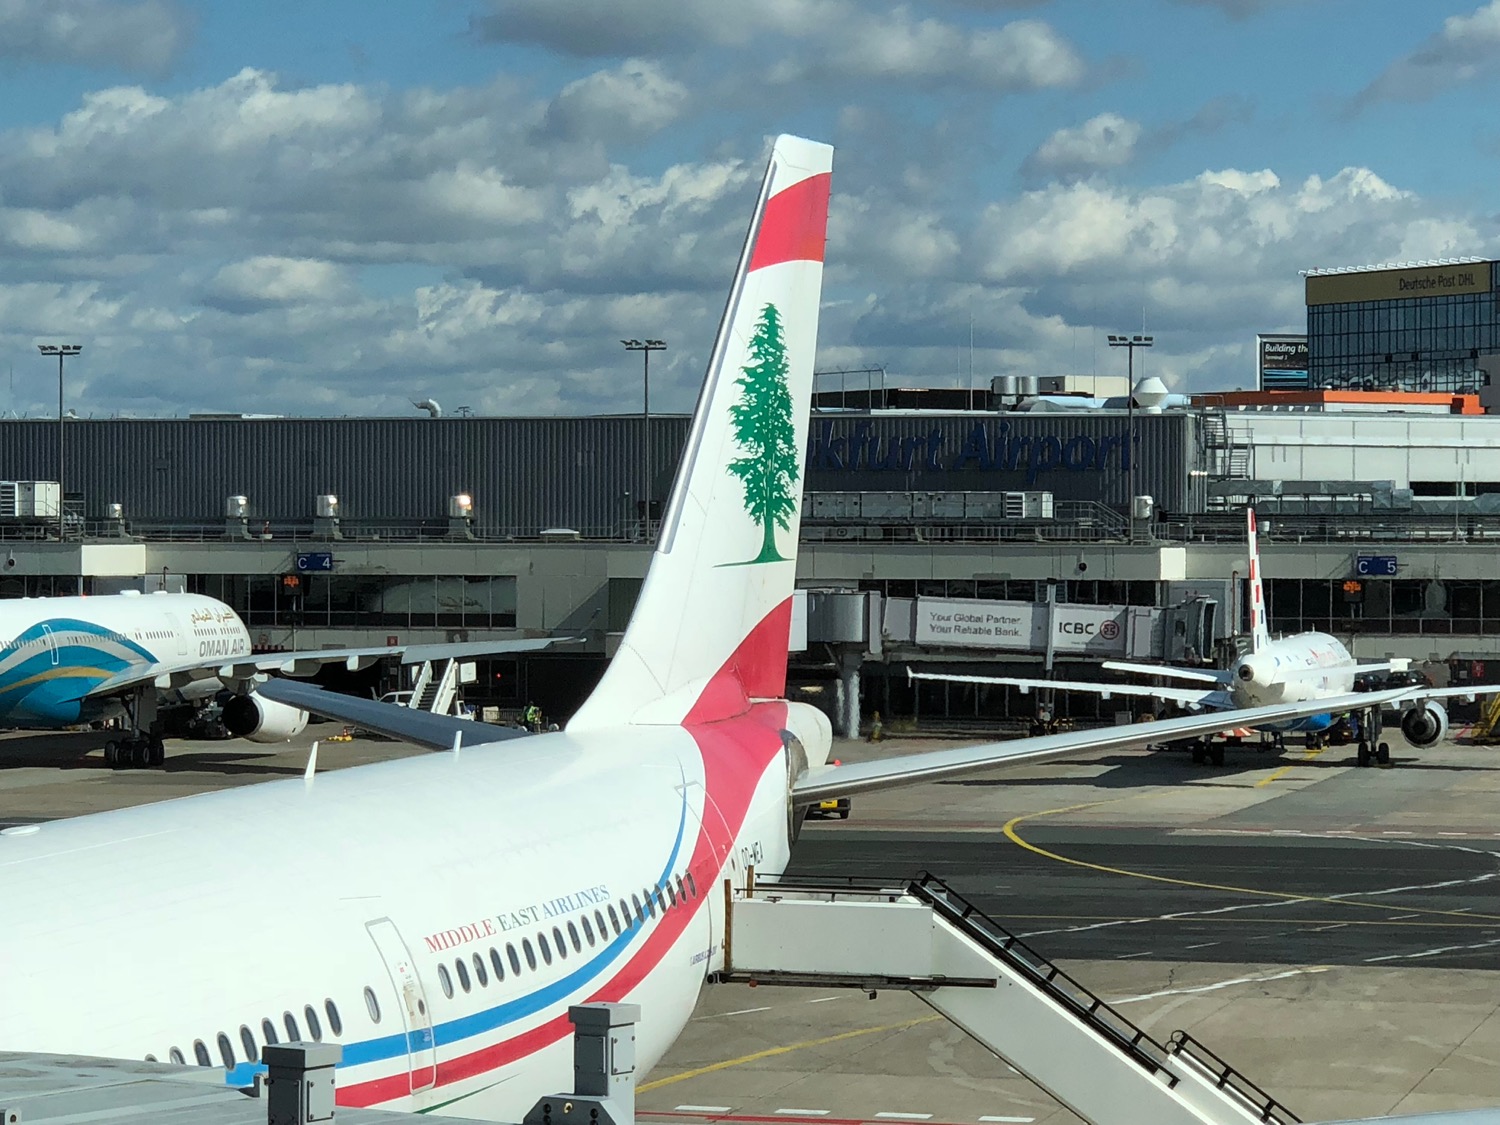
[(1207, 750), (135, 752), (142, 748), (1371, 750)]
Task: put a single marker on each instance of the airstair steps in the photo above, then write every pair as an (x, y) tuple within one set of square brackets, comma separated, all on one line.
[(926, 938)]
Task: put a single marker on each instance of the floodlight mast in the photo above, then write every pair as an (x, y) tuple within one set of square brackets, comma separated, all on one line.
[(60, 351), (645, 347), (1130, 343)]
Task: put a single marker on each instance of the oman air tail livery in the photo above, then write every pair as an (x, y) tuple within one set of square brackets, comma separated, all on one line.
[(437, 915)]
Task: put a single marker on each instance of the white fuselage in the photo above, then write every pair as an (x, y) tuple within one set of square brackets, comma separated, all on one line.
[(1293, 669), (142, 931), (55, 651)]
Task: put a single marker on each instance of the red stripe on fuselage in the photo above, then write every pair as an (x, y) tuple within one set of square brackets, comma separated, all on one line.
[(736, 754), (795, 225)]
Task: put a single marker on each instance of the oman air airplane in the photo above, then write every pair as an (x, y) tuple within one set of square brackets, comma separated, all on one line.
[(1302, 668), (438, 914), (70, 661)]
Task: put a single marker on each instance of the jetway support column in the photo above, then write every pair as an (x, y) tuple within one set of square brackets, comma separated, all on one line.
[(848, 693)]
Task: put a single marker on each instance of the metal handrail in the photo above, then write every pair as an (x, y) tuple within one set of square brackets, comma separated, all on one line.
[(1136, 1043)]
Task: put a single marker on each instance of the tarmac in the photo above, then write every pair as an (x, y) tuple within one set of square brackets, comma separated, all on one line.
[(1333, 932)]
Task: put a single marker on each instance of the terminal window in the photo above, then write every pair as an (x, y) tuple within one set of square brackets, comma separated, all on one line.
[(359, 601)]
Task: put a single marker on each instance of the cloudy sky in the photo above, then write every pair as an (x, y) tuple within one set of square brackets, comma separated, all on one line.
[(335, 207)]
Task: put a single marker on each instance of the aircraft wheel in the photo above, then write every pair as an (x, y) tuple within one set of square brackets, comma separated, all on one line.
[(1364, 753), (1200, 755), (140, 754), (158, 753), (111, 752), (1216, 755), (1383, 754)]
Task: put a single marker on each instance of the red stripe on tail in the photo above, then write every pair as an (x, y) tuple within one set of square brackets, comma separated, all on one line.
[(756, 670), (795, 226)]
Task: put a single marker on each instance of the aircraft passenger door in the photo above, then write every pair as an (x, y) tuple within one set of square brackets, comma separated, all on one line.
[(177, 631), (416, 1016), (50, 638)]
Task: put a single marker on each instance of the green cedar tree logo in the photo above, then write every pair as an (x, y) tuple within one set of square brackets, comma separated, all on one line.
[(765, 429)]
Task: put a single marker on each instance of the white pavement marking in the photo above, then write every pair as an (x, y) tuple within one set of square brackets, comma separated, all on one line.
[(1010, 1120), (1222, 984), (1201, 945), (803, 1112), (824, 999), (905, 1116), (745, 1011), (1432, 952), (1272, 904), (704, 1108)]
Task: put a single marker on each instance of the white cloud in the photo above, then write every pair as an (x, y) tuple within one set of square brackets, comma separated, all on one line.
[(1105, 141), (826, 40), (269, 280), (1466, 49), (143, 35), (631, 102)]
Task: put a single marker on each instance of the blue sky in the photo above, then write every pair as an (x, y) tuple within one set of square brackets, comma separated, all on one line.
[(336, 207)]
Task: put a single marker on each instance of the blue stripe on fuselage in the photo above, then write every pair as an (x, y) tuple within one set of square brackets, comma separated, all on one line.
[(1311, 724), (403, 1044)]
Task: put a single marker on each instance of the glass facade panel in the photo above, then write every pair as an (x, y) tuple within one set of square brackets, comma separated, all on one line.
[(1412, 344)]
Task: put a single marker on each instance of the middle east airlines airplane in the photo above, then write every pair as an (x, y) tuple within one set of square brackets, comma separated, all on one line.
[(437, 915), (75, 660), (1303, 667)]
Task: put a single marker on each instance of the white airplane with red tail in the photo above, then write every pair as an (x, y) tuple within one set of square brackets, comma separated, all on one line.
[(1300, 668), (438, 915)]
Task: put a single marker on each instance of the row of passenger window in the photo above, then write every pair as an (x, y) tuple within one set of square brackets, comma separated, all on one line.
[(269, 1034), (586, 931)]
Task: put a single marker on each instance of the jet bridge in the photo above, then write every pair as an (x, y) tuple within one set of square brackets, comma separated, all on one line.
[(926, 939)]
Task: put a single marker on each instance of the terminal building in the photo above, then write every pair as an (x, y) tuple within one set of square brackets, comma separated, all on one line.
[(1081, 531), (1422, 326)]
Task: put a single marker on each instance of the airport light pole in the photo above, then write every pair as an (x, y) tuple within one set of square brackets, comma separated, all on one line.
[(60, 351), (645, 347), (1130, 343)]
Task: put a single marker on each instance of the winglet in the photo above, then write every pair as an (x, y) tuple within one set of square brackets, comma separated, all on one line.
[(312, 763), (458, 742), (1260, 633)]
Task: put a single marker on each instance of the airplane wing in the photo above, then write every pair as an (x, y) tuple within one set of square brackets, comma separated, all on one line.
[(1170, 671), (823, 782), (1400, 664), (406, 723), (1219, 700), (305, 663)]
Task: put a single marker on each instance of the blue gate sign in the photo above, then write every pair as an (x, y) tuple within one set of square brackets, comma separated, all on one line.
[(322, 560), (1375, 566)]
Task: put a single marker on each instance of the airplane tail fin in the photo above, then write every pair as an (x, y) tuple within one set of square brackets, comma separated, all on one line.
[(710, 629), (1260, 633)]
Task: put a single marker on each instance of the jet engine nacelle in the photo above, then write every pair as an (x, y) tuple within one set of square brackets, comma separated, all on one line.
[(1424, 725), (262, 720)]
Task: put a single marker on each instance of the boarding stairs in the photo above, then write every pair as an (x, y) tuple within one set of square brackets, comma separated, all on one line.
[(435, 688), (926, 939)]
